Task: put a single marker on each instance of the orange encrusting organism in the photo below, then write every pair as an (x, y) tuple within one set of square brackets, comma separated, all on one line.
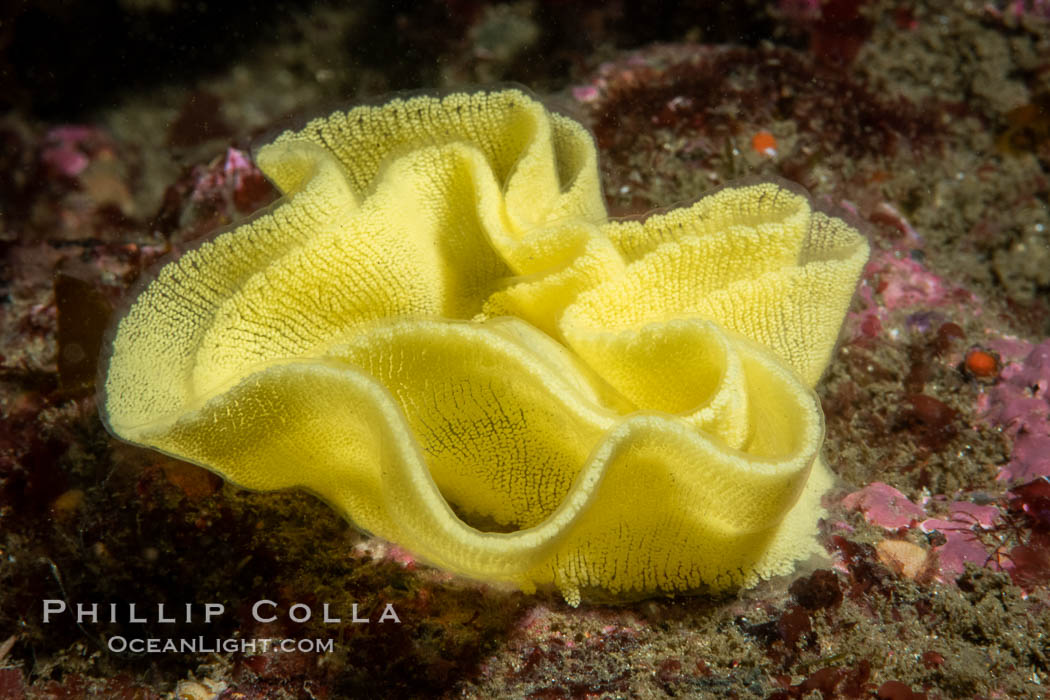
[(764, 143)]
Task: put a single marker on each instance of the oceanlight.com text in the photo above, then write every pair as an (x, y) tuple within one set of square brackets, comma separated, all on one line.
[(202, 645)]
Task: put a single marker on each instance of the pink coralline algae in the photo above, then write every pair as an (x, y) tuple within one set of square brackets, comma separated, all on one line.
[(1014, 539), (586, 93), (958, 536), (212, 195), (78, 185), (378, 550), (67, 150), (961, 541), (884, 506), (1020, 404), (905, 283), (236, 178), (894, 280)]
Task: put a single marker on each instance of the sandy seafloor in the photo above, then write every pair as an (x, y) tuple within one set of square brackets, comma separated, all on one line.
[(125, 134)]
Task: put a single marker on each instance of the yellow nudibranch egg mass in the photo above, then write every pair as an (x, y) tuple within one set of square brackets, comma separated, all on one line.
[(438, 326)]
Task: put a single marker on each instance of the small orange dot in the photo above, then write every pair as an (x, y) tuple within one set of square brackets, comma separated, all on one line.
[(765, 143), (981, 363)]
